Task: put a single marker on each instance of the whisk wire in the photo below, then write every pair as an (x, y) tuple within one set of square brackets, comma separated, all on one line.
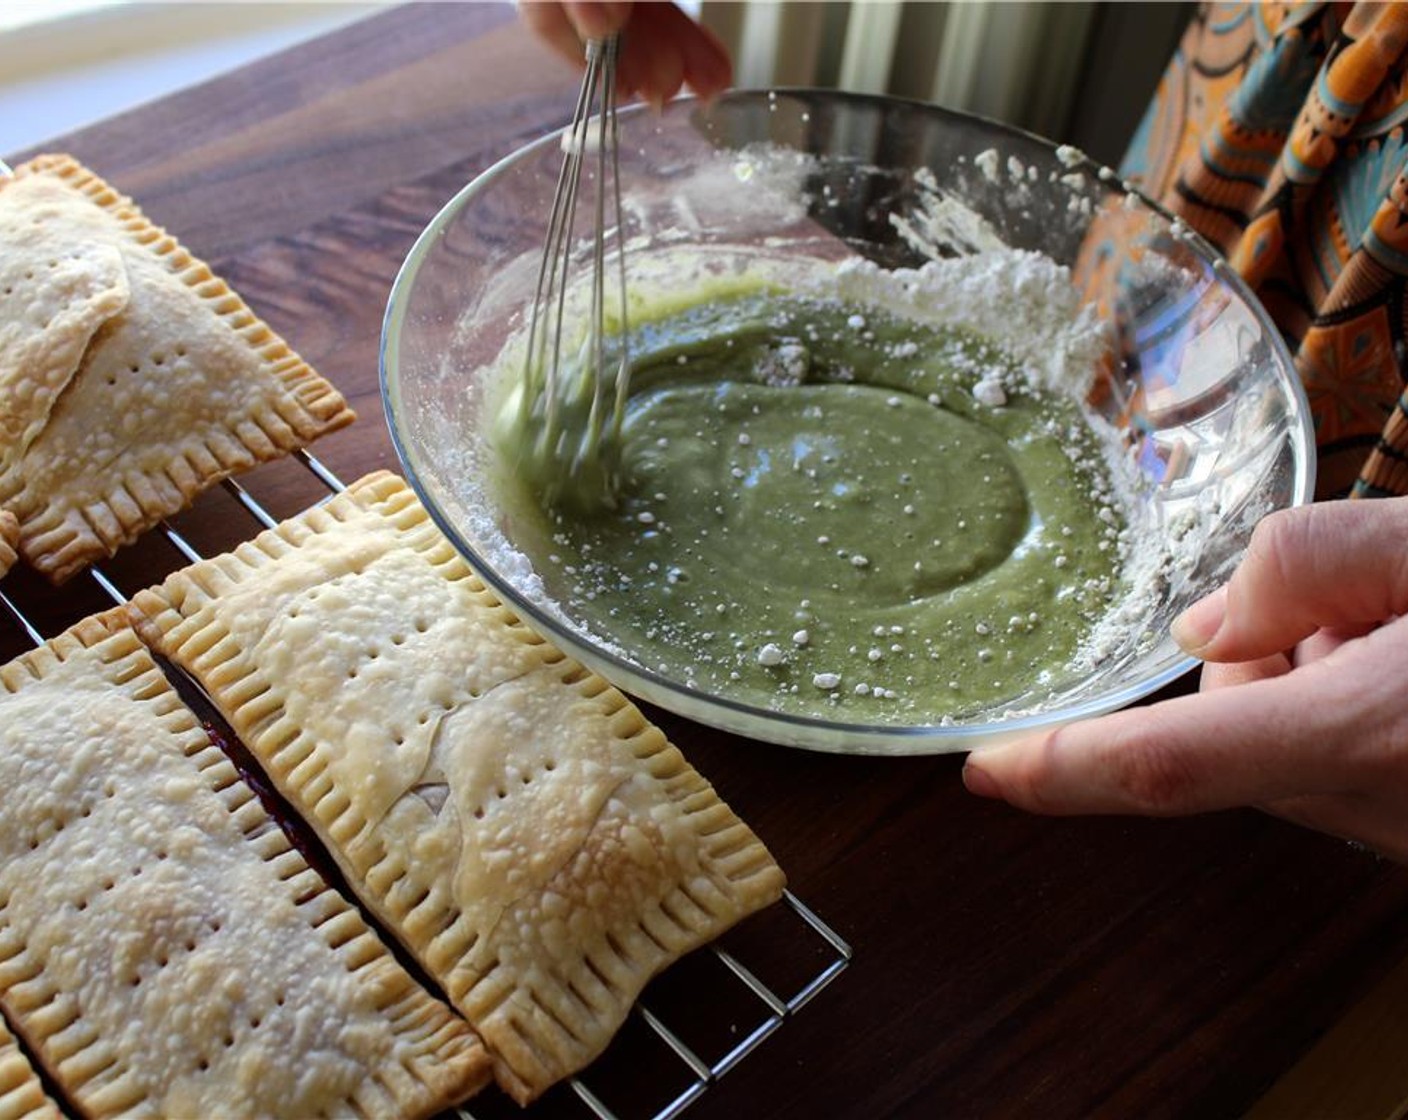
[(550, 407), (598, 311), (623, 371), (538, 330)]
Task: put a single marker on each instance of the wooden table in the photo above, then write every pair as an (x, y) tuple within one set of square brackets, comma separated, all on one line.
[(1005, 965)]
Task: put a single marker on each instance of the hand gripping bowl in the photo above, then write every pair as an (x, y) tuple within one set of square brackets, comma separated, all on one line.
[(1198, 389)]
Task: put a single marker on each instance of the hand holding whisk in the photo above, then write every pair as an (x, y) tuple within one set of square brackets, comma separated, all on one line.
[(574, 378)]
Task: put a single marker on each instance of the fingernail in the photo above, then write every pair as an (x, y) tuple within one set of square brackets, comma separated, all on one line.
[(594, 20), (1196, 627), (979, 782), (617, 11)]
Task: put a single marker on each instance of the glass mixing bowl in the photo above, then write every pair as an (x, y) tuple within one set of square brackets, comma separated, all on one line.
[(1199, 388)]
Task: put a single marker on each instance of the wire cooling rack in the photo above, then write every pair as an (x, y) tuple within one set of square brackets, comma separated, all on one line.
[(675, 1045)]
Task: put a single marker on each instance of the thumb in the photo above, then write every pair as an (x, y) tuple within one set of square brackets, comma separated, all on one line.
[(1337, 564), (1245, 745)]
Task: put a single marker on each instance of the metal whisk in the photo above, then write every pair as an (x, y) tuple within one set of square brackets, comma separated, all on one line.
[(573, 402)]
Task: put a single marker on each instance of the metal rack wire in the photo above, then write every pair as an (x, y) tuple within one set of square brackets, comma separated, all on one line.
[(771, 1008)]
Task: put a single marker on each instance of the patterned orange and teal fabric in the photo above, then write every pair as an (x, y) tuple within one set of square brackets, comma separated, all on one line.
[(1278, 132)]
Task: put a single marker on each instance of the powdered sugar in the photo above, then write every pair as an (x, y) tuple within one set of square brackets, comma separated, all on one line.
[(943, 224), (1024, 302)]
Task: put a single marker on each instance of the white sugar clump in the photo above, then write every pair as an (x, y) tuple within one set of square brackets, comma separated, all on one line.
[(943, 222), (989, 391), (787, 365), (1024, 302), (988, 163)]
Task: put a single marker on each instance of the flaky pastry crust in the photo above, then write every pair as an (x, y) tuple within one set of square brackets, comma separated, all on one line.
[(536, 843), (165, 951), (131, 377), (9, 537)]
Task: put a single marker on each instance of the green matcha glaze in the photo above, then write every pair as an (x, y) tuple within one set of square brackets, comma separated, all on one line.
[(817, 515)]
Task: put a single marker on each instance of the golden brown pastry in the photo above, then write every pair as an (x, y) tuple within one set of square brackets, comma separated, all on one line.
[(539, 846), (131, 377), (9, 537), (22, 1097), (163, 949)]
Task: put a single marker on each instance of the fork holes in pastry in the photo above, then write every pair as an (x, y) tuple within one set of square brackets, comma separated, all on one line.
[(254, 1021), (203, 1065), (421, 626), (398, 639), (479, 813)]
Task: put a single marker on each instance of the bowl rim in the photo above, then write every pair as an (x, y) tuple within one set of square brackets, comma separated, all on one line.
[(848, 736)]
